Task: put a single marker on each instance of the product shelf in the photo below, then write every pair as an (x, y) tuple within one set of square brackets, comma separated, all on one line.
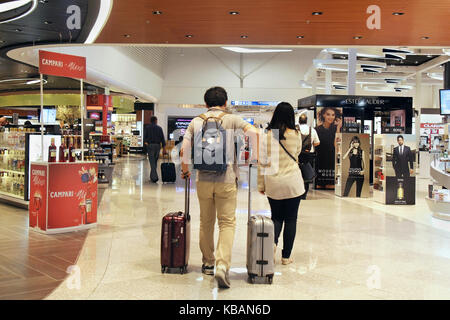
[(12, 171)]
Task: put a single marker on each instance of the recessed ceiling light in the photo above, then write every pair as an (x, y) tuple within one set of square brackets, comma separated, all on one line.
[(126, 35), (189, 36), (157, 12), (43, 1), (425, 38), (317, 13), (244, 37), (398, 13), (19, 30), (429, 55), (300, 37), (234, 13), (357, 37), (48, 22)]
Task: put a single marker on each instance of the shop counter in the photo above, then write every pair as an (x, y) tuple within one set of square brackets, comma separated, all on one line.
[(440, 203), (63, 196)]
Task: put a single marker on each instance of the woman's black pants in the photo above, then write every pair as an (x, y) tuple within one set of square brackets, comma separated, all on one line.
[(359, 184), (285, 212)]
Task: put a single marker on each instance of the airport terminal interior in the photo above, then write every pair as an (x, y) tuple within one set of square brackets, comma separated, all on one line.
[(81, 83)]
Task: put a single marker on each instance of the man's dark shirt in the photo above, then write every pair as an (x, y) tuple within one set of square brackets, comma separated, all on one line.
[(154, 134)]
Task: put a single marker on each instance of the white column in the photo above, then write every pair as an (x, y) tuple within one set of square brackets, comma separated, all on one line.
[(314, 82), (418, 96), (351, 76), (328, 81), (42, 116), (82, 118)]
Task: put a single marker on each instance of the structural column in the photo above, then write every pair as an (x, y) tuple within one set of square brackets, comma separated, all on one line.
[(351, 76)]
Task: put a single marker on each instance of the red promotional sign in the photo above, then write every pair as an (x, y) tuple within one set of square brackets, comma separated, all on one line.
[(63, 65), (69, 201), (38, 197)]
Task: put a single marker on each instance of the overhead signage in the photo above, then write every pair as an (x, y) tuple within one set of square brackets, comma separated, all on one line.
[(255, 103), (62, 65)]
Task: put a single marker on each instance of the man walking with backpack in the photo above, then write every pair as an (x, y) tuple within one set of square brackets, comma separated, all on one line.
[(310, 139), (211, 136)]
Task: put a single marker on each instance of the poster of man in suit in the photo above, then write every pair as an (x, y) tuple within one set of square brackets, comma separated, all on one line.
[(403, 159), (400, 169)]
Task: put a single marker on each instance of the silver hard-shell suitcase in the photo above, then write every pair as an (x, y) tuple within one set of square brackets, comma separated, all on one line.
[(260, 243)]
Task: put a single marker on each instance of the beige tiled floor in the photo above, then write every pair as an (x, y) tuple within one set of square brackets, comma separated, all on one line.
[(344, 249)]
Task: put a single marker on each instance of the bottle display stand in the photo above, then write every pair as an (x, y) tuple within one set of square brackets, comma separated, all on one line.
[(356, 175), (63, 196), (387, 187), (13, 168)]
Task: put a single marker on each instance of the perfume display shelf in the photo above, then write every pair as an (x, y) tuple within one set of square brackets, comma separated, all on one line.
[(439, 204)]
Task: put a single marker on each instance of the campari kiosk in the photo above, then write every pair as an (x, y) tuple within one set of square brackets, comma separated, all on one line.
[(63, 195)]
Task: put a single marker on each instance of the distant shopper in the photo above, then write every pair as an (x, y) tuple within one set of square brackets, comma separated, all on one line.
[(3, 123), (27, 124), (355, 154), (282, 181), (154, 139), (216, 183), (310, 139), (402, 159)]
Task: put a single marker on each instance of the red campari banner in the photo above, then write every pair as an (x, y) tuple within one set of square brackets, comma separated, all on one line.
[(63, 65)]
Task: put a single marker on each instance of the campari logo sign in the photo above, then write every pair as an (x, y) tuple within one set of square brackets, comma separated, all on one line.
[(63, 65)]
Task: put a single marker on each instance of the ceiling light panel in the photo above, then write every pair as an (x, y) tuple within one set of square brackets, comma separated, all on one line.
[(254, 50)]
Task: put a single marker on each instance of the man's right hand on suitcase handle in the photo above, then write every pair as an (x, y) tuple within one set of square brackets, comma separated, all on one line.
[(186, 174)]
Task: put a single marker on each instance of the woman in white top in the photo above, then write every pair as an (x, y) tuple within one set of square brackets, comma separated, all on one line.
[(279, 176)]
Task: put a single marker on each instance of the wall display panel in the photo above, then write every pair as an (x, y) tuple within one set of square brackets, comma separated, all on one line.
[(352, 165), (329, 123), (395, 169)]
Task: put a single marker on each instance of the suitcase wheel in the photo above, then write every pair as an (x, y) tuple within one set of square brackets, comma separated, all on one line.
[(251, 279), (270, 279), (163, 269), (183, 270)]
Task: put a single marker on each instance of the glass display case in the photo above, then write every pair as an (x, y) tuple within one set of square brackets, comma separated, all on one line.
[(12, 165)]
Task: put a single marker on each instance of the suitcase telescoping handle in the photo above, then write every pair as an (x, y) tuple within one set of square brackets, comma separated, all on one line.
[(249, 191), (187, 196)]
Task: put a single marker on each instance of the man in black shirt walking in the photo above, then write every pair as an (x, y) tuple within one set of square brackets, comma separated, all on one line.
[(153, 139)]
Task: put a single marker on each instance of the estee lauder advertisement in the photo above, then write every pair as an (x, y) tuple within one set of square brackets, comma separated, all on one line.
[(329, 122), (352, 157), (400, 169)]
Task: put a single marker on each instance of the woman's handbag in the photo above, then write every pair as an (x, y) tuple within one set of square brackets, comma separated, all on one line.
[(308, 172)]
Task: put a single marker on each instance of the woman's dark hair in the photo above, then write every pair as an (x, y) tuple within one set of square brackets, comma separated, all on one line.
[(153, 120), (337, 113), (216, 96), (356, 139), (283, 118)]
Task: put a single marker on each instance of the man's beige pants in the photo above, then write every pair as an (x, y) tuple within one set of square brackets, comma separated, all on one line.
[(221, 198)]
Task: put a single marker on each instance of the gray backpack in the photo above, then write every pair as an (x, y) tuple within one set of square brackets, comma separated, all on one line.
[(210, 145)]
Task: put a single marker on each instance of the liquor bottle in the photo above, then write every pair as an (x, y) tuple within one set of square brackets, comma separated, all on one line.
[(400, 191), (52, 152), (62, 152), (72, 155)]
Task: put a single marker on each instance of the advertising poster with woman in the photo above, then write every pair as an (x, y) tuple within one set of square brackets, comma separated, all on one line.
[(355, 166), (329, 122)]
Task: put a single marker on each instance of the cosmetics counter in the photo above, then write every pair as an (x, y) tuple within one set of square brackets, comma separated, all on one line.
[(438, 199)]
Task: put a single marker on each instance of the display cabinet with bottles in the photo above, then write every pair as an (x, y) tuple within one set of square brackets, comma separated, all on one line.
[(13, 166)]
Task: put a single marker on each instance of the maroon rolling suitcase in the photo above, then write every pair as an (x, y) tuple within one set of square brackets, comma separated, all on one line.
[(175, 237)]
